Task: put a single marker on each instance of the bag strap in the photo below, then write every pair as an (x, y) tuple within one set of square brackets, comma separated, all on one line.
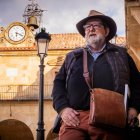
[(85, 69)]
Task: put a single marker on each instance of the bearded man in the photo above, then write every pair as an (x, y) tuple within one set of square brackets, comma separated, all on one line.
[(110, 67)]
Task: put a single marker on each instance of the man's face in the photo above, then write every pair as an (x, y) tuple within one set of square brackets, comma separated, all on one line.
[(95, 32)]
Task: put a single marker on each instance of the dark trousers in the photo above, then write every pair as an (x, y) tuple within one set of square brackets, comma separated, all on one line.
[(133, 134), (87, 132)]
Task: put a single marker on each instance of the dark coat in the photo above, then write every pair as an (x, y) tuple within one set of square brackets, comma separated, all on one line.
[(112, 70)]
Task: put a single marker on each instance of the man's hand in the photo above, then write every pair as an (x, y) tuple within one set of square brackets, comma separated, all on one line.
[(70, 116), (132, 114)]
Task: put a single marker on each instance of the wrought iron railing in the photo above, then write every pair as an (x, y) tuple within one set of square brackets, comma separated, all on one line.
[(23, 92)]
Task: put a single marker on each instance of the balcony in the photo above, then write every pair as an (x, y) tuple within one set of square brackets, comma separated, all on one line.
[(23, 92)]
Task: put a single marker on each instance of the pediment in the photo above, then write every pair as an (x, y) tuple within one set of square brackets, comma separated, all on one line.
[(57, 61)]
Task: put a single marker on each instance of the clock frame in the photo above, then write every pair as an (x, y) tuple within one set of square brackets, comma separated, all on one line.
[(16, 33)]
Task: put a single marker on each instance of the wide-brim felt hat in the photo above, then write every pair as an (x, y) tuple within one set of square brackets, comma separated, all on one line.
[(93, 15)]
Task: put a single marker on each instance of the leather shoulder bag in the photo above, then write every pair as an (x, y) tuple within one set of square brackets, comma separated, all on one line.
[(106, 107)]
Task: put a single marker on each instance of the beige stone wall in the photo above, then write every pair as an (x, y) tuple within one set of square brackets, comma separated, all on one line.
[(22, 68), (27, 112), (132, 17), (18, 70)]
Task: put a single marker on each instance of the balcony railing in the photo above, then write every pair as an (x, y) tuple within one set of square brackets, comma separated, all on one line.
[(23, 92)]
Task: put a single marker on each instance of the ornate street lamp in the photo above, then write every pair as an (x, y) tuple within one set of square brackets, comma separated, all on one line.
[(42, 40)]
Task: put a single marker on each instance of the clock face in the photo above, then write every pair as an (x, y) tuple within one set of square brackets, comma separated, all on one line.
[(16, 33)]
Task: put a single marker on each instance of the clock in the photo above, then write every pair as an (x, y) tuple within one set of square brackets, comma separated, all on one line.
[(16, 33)]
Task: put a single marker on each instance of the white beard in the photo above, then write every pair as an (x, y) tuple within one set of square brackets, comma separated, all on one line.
[(95, 41)]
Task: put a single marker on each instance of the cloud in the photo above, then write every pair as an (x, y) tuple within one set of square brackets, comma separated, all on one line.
[(120, 20), (68, 13), (62, 15)]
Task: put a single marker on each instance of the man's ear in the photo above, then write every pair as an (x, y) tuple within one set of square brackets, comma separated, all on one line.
[(107, 32)]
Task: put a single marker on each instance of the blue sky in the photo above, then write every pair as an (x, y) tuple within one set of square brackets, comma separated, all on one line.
[(62, 15)]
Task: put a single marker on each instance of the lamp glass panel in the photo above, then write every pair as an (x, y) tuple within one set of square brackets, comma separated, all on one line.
[(42, 46)]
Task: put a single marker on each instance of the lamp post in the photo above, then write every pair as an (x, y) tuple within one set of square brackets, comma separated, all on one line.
[(42, 40)]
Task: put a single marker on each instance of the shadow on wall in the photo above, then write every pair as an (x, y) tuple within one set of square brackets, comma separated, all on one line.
[(52, 136), (14, 130)]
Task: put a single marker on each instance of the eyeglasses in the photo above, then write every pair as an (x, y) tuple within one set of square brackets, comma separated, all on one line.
[(95, 26)]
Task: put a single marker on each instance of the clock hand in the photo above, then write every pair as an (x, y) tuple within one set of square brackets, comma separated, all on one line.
[(18, 34)]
